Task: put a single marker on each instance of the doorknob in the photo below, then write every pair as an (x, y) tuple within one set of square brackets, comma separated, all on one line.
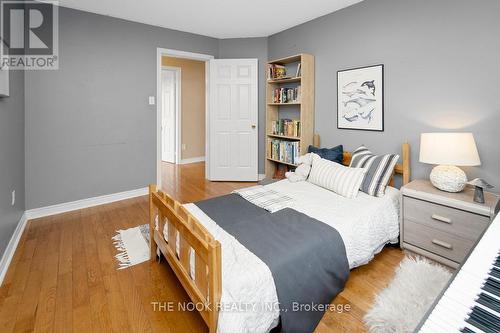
[(253, 126)]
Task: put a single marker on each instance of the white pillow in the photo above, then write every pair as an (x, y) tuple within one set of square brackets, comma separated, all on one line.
[(336, 177)]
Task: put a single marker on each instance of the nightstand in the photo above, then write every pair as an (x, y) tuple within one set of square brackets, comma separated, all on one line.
[(441, 225)]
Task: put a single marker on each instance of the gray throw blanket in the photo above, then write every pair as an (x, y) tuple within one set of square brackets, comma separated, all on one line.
[(306, 257)]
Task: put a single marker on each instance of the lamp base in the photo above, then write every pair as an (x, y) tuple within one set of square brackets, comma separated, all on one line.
[(448, 178)]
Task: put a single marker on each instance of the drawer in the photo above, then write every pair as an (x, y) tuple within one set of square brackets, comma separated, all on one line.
[(433, 240), (447, 219)]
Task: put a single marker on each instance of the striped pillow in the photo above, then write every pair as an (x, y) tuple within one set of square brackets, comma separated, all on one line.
[(336, 177), (379, 169)]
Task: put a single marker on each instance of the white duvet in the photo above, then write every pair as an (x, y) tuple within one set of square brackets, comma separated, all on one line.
[(249, 299)]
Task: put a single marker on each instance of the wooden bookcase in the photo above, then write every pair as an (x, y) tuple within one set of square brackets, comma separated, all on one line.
[(302, 110)]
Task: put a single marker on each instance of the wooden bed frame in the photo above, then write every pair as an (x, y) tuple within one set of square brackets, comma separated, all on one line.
[(206, 287)]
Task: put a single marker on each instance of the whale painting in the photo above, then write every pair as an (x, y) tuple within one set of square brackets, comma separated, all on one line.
[(360, 98)]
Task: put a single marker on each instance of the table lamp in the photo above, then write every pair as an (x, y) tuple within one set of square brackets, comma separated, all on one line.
[(448, 150)]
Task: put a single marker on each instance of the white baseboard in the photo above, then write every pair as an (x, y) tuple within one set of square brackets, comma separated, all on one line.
[(84, 203), (193, 160), (11, 247)]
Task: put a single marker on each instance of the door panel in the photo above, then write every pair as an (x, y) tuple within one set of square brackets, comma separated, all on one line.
[(223, 153), (244, 101), (224, 98), (233, 148)]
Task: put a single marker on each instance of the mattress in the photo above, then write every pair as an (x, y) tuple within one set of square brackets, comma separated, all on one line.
[(366, 223), (249, 297)]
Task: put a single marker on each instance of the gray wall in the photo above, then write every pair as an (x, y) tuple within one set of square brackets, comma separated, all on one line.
[(251, 48), (89, 128), (11, 157), (441, 71)]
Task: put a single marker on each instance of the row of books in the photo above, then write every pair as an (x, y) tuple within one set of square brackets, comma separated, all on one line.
[(286, 127), (275, 71), (286, 95), (284, 151)]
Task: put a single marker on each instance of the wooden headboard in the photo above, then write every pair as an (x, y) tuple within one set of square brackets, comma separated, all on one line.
[(401, 168)]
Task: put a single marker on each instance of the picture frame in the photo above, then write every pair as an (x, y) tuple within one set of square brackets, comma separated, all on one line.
[(360, 98)]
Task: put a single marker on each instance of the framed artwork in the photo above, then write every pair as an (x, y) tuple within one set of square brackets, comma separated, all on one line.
[(360, 98)]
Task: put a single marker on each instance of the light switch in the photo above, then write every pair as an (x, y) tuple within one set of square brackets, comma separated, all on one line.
[(151, 100), (13, 200)]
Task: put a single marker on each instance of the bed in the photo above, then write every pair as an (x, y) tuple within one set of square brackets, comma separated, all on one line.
[(218, 271)]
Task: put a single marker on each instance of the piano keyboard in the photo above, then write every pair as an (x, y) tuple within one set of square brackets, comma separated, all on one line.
[(472, 301)]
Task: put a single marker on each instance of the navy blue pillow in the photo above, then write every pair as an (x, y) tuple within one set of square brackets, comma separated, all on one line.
[(335, 154)]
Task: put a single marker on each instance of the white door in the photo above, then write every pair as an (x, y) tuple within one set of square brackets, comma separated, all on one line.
[(233, 117), (169, 93)]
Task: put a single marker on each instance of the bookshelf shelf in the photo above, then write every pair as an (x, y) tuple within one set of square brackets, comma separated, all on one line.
[(281, 162), (285, 137), (288, 60), (304, 113), (285, 80)]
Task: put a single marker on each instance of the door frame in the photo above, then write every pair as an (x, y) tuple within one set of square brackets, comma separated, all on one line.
[(160, 52), (178, 115)]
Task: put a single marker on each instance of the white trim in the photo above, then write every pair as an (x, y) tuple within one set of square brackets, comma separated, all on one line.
[(192, 160), (178, 113), (186, 55), (12, 246), (84, 203), (207, 120)]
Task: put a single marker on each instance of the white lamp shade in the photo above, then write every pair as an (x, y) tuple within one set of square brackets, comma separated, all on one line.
[(449, 149)]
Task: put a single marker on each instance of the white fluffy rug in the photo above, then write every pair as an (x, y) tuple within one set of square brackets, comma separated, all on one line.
[(401, 306)]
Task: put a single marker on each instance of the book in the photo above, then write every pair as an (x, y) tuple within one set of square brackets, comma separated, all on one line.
[(286, 127), (286, 95), (299, 68), (283, 150)]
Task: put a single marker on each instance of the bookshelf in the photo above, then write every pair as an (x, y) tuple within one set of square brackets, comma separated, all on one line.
[(298, 109)]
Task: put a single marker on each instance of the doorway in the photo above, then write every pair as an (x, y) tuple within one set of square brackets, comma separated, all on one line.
[(165, 138), (228, 127), (171, 115)]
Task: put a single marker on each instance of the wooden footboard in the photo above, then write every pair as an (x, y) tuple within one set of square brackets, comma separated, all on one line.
[(205, 289)]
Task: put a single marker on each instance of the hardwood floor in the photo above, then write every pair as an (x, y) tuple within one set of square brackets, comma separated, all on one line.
[(64, 276)]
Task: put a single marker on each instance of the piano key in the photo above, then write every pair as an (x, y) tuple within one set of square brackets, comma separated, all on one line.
[(460, 311), (493, 282), (489, 301), (485, 324), (495, 272), (438, 326), (494, 316), (451, 315), (490, 289), (478, 324), (493, 320)]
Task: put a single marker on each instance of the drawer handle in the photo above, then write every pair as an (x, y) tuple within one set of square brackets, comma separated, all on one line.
[(442, 244), (441, 218)]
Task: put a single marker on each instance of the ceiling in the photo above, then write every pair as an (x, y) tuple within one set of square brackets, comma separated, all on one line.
[(215, 18)]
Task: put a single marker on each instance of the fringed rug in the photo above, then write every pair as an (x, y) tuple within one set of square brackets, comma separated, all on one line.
[(133, 244), (400, 307)]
